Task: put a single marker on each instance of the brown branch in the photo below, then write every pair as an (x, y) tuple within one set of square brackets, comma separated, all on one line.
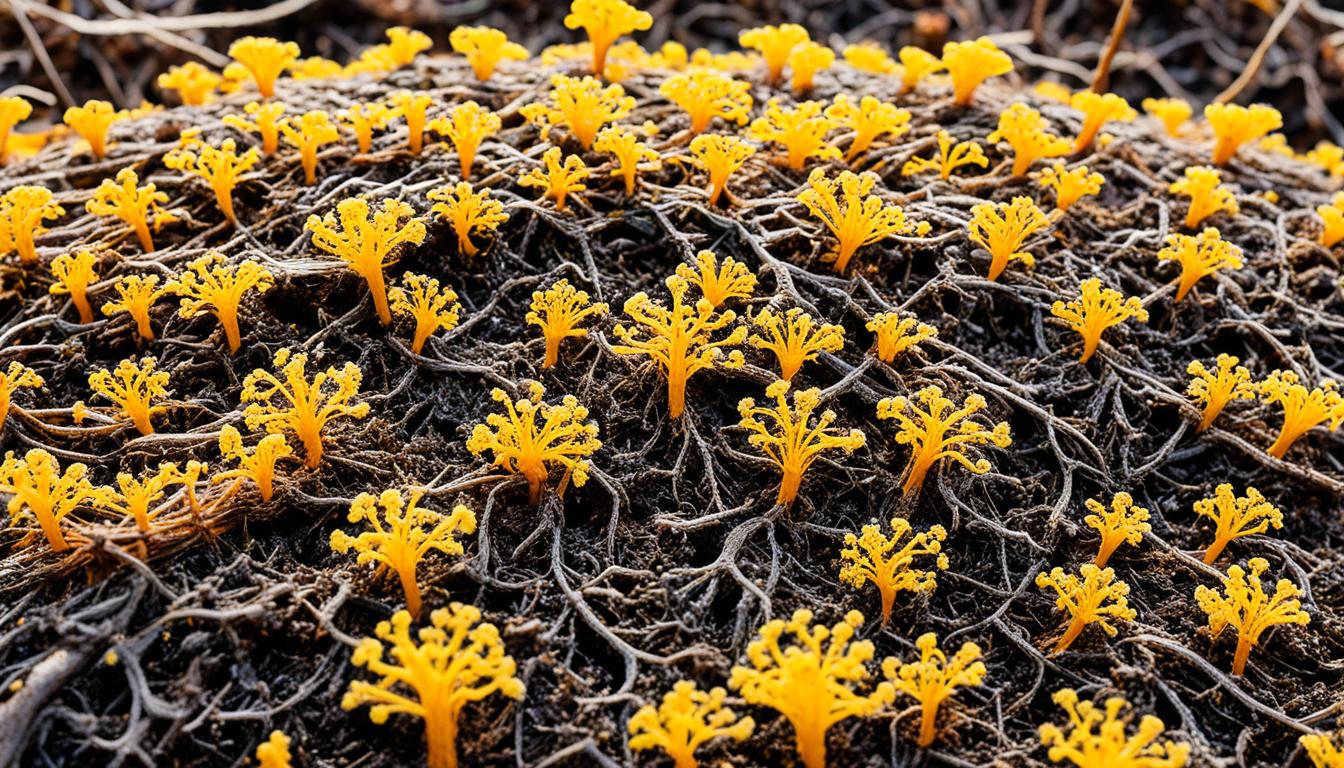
[(1258, 58), (1103, 74)]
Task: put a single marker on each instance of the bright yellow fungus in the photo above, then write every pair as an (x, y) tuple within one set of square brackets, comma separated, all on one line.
[(298, 405), (934, 678), (558, 312), (870, 57), (916, 64), (16, 376), (581, 106), (484, 48), (1332, 221), (935, 428), (457, 660), (896, 334), (679, 339), (630, 154), (720, 156), (1213, 390), (274, 752), (775, 44), (971, 63), (40, 490), (1052, 90), (789, 437), (1070, 184), (363, 120), (1329, 157), (22, 211), (1203, 185), (873, 556), (222, 167), (687, 719), (414, 109), (951, 156), (801, 130), (138, 499), (1303, 408), (794, 338), (466, 125), (1024, 129), (92, 122), (315, 68), (1096, 309), (400, 533), (559, 180), (404, 44), (265, 122), (195, 83), (133, 388), (1098, 109), (1123, 522), (13, 110), (1003, 228), (257, 466), (308, 133), (1322, 751), (209, 284), (1097, 738), (265, 59), (1236, 516), (432, 306), (717, 280), (855, 217), (367, 240), (1199, 257), (805, 61), (1091, 596), (706, 94), (1172, 113), (468, 211), (1234, 125), (136, 294), (605, 21), (521, 444), (1243, 605), (870, 119), (814, 681), (138, 206)]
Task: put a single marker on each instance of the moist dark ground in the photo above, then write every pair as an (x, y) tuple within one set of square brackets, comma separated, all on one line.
[(666, 562)]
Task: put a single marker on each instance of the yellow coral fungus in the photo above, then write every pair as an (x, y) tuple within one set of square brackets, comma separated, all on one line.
[(265, 121), (1096, 309), (1234, 125), (209, 284), (916, 64), (720, 156), (299, 405), (133, 388), (854, 216), (13, 110), (1236, 516), (414, 109), (559, 180), (39, 489), (193, 81), (466, 125), (794, 338), (869, 119), (1070, 184), (1172, 113), (775, 44), (308, 133), (16, 376), (870, 57), (138, 206), (521, 445), (705, 95), (1303, 408), (265, 59), (935, 428), (1203, 185), (813, 681), (1213, 390), (801, 130), (896, 334), (222, 167), (972, 62), (678, 339), (433, 307), (1091, 596), (934, 678), (363, 120), (92, 122), (484, 48), (1329, 157), (367, 240), (1096, 738), (718, 281), (687, 719), (631, 154), (1199, 257), (1003, 228), (1322, 751), (404, 44), (805, 61), (1024, 130), (1243, 605), (315, 67), (401, 534), (1332, 221), (558, 311), (788, 436), (951, 156), (468, 211), (1122, 522), (581, 106), (457, 660), (873, 556), (138, 498), (605, 21), (257, 466), (135, 295), (274, 752), (1098, 109), (22, 211)]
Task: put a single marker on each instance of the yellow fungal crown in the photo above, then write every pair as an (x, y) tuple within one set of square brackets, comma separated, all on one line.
[(22, 211), (1096, 738), (133, 388), (935, 428), (871, 57), (468, 211), (1172, 113), (414, 109), (794, 338), (367, 240), (1024, 129), (1123, 522), (706, 94), (308, 133), (265, 59), (364, 119), (718, 281), (605, 21), (1098, 109), (720, 156), (300, 406), (805, 61), (92, 122), (800, 129), (466, 125), (630, 154), (1096, 309), (432, 306), (558, 312), (558, 179), (854, 216), (581, 105), (1303, 408), (1199, 256), (1213, 390), (39, 490), (1091, 596), (139, 498), (13, 110), (193, 81), (265, 121), (1203, 185), (484, 48), (140, 207), (1236, 516), (210, 284), (1234, 125), (896, 334), (274, 752), (1332, 220), (136, 294), (774, 43), (889, 564), (951, 156), (258, 465), (1243, 605), (222, 166), (530, 437), (16, 376), (789, 437), (687, 719), (934, 678), (1070, 184), (916, 64), (870, 119), (1003, 228), (972, 62)]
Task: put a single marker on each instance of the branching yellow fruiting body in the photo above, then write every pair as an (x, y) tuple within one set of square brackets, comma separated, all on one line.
[(794, 338), (1097, 738), (137, 206), (1070, 184), (316, 68), (433, 307), (1332, 220), (631, 154), (521, 445), (457, 660), (951, 156), (934, 678), (679, 339), (687, 719), (1003, 228), (801, 130), (805, 61), (401, 535), (209, 284), (1302, 408), (605, 21), (869, 119), (1096, 309), (559, 180), (706, 94), (1121, 523), (1092, 596), (266, 121), (367, 240), (870, 57), (298, 405), (194, 82), (896, 334), (1321, 750), (718, 281), (872, 556), (257, 466), (558, 311), (854, 216), (1234, 125), (1329, 157), (468, 212), (274, 752), (136, 295), (414, 109), (1024, 129), (308, 133), (1172, 113), (1098, 109), (720, 156), (971, 63), (935, 429), (775, 44), (363, 120), (788, 436), (484, 48), (1203, 185), (13, 110), (916, 64), (17, 375), (265, 59), (404, 44), (222, 167), (581, 106), (1199, 257), (92, 122), (136, 498), (133, 388), (1052, 90), (1244, 606), (22, 211), (1235, 517), (39, 489), (466, 125), (813, 682), (1215, 389)]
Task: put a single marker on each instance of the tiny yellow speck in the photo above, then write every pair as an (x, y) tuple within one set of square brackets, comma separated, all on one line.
[(111, 658)]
